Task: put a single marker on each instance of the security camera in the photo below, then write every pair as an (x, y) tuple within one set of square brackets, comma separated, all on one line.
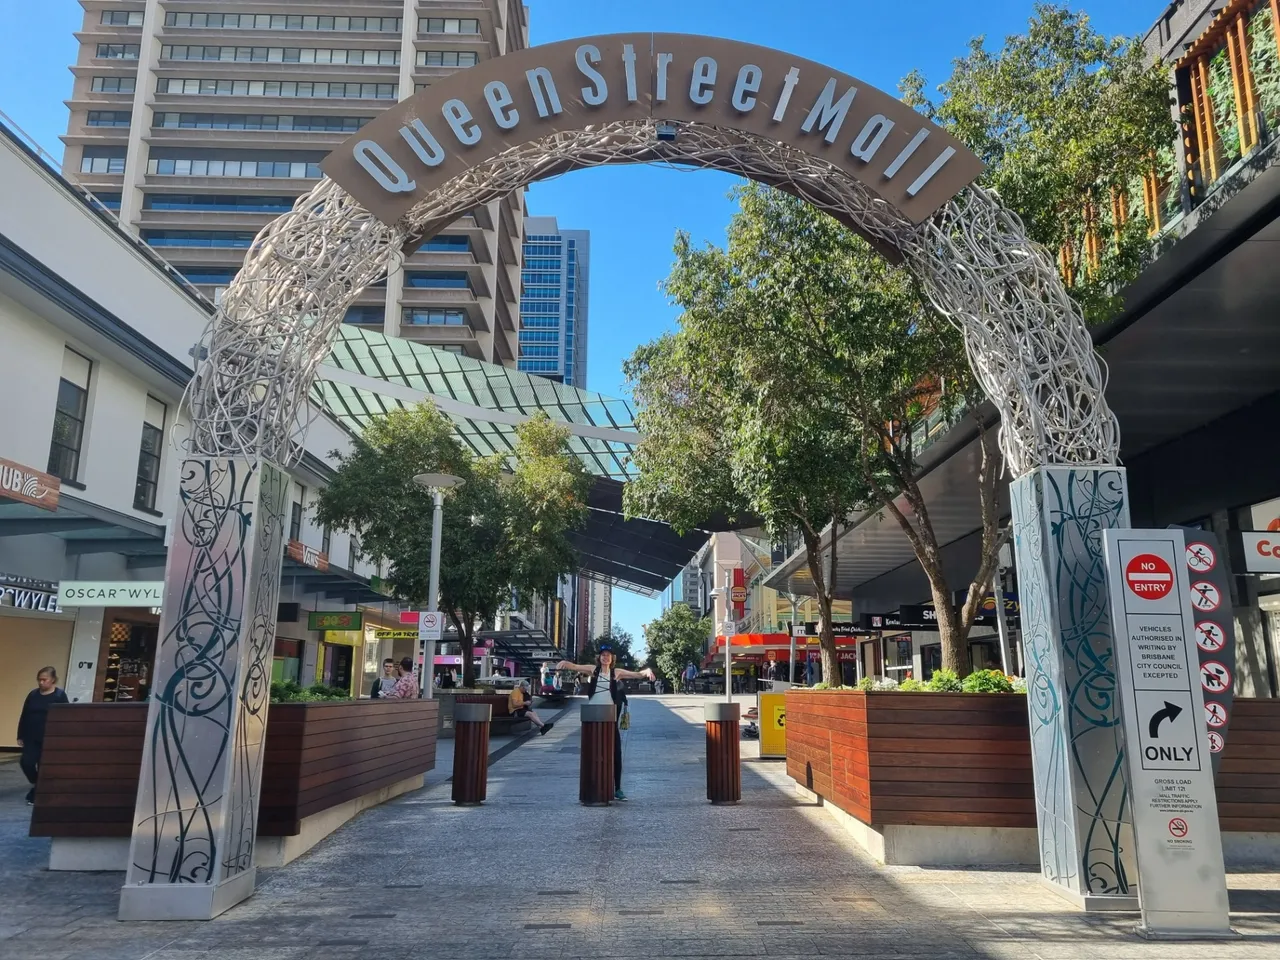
[(666, 132)]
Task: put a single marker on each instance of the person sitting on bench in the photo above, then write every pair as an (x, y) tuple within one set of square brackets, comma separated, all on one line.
[(518, 707)]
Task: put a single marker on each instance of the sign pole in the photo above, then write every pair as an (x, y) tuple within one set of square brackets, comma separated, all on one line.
[(795, 620), (1002, 625), (433, 595)]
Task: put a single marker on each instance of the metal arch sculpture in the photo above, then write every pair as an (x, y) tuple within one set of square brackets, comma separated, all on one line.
[(1025, 337), (475, 137)]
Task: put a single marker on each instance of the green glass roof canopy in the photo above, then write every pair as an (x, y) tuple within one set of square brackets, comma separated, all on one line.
[(369, 374), (365, 356)]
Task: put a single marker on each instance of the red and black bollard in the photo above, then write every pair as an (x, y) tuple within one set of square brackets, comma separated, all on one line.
[(724, 754), (595, 775)]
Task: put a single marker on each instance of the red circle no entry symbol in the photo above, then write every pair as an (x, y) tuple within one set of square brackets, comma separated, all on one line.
[(1178, 827), (1149, 576)]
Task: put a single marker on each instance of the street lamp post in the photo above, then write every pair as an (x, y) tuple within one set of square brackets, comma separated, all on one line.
[(437, 484)]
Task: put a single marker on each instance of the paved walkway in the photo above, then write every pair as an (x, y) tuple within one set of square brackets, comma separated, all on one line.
[(532, 875)]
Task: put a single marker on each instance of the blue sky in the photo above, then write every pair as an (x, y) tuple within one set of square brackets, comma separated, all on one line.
[(633, 213)]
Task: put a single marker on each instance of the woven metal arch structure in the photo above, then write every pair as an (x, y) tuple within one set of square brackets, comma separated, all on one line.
[(1025, 337)]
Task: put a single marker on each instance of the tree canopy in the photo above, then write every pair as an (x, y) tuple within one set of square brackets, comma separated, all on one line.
[(676, 639), (1068, 122), (502, 532), (622, 643)]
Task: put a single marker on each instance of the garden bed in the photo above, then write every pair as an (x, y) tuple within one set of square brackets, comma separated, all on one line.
[(946, 777)]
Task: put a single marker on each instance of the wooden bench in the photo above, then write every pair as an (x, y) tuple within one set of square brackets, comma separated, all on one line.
[(503, 723)]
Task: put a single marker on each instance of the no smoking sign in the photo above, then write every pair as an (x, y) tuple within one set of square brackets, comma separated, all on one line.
[(1178, 827)]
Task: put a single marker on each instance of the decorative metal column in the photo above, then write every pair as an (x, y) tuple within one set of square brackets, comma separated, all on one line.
[(191, 855), (1082, 813)]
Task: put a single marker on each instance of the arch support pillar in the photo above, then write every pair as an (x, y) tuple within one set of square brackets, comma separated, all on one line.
[(191, 855), (1082, 812)]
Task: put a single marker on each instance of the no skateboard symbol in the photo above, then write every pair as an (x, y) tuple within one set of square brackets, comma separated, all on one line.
[(1178, 827), (1205, 596), (1214, 677), (1210, 637), (1215, 714)]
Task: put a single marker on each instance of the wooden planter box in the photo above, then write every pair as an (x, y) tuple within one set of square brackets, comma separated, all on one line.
[(893, 760), (318, 756)]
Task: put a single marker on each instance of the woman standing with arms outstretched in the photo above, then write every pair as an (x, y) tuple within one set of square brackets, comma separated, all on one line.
[(606, 665)]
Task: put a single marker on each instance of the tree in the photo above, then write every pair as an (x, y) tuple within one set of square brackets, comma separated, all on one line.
[(1068, 122), (676, 639), (620, 641), (803, 364), (500, 532)]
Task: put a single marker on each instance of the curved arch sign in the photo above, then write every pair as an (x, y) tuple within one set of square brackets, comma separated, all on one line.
[(477, 114)]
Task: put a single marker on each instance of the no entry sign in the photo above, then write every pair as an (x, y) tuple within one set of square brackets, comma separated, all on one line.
[(1149, 576)]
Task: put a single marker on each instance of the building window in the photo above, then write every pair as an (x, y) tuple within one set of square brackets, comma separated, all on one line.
[(366, 314), (109, 200), (276, 88), (283, 21), (118, 51), (144, 491), (420, 317), (122, 18), (255, 121), (447, 58), (450, 244), (114, 84), (436, 281), (447, 25), (377, 58), (208, 276), (69, 417), (295, 515), (292, 170), (218, 202), (102, 160), (199, 238), (110, 118), (326, 541)]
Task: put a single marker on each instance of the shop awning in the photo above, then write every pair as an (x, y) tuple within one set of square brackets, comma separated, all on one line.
[(527, 647), (335, 583), (85, 527)]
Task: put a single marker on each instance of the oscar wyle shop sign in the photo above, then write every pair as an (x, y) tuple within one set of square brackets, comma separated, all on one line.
[(128, 593), (1182, 887), (24, 593), (477, 114)]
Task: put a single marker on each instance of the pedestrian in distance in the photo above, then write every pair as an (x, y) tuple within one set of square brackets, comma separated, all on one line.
[(406, 686), (518, 706), (382, 686), (31, 724), (606, 664)]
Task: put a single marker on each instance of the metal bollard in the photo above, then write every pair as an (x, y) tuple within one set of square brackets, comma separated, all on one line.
[(595, 775), (471, 753), (724, 754)]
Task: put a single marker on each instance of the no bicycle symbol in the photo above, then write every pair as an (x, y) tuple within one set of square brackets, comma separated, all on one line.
[(1200, 557), (1178, 827)]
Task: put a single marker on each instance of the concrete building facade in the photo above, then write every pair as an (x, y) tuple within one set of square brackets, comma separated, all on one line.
[(200, 124)]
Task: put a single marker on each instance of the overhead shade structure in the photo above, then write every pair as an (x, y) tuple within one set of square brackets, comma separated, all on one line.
[(370, 374)]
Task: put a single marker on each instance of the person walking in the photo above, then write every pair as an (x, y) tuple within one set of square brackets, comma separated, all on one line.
[(31, 724), (606, 664), (406, 686)]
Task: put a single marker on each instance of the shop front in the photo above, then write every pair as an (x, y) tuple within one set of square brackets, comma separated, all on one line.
[(34, 632), (341, 648)]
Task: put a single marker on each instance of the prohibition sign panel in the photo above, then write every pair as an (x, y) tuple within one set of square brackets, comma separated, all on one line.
[(1214, 677), (1215, 714), (1216, 742), (1205, 597), (1200, 557), (1149, 576), (1210, 637)]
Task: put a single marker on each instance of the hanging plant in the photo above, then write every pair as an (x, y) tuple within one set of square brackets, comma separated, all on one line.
[(1222, 93), (1264, 61)]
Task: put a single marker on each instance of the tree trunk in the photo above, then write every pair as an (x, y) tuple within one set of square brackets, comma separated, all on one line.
[(823, 586), (954, 655), (466, 641)]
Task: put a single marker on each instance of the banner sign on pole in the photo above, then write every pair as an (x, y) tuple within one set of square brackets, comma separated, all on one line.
[(1215, 634), (1182, 887), (1261, 552)]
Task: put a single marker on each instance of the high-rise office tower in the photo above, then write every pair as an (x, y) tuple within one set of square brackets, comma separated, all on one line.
[(553, 304), (200, 122)]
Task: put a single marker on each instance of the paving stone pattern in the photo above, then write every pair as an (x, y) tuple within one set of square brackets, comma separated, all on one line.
[(532, 875)]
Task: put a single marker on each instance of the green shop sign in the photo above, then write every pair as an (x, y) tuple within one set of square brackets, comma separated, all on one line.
[(318, 620)]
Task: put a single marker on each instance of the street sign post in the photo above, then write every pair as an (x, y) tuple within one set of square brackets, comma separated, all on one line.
[(430, 632), (1182, 888)]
